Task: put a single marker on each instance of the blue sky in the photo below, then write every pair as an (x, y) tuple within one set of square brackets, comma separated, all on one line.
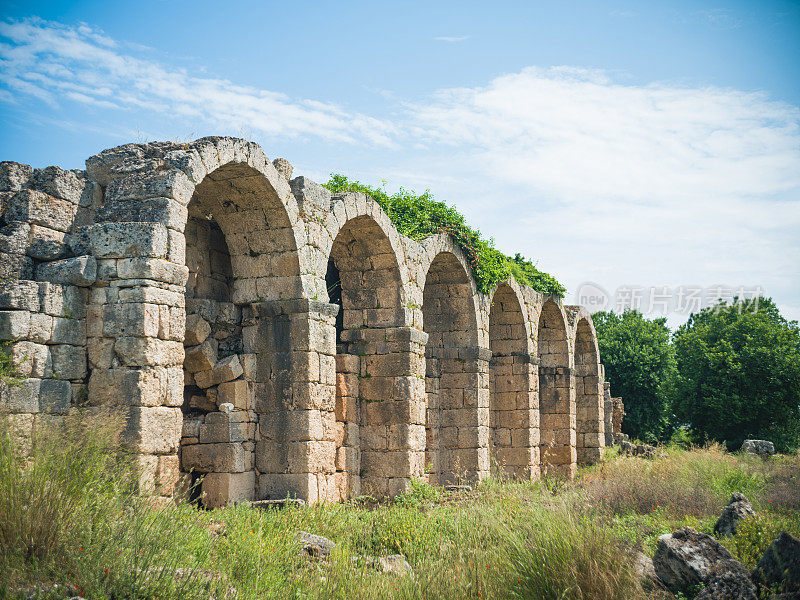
[(630, 144)]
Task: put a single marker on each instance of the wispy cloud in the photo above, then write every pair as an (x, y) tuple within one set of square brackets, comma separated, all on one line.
[(451, 39), (50, 61)]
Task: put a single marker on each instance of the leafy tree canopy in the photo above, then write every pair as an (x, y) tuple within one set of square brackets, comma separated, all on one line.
[(417, 216), (639, 363), (739, 374)]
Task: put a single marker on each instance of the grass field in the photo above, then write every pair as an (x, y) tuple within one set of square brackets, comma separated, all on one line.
[(67, 516)]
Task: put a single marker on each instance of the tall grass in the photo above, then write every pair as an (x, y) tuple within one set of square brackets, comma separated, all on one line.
[(70, 515)]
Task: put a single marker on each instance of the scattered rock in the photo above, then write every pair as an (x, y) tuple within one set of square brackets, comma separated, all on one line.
[(282, 503), (393, 564), (644, 450), (684, 558), (458, 488), (726, 580), (225, 407), (315, 546), (643, 565), (760, 447), (780, 564), (738, 508)]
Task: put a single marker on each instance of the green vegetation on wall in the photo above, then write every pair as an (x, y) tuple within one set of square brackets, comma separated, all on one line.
[(418, 216)]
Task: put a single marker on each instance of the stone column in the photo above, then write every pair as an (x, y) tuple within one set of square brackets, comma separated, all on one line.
[(463, 414), (589, 412), (557, 420), (391, 392), (294, 341), (135, 326)]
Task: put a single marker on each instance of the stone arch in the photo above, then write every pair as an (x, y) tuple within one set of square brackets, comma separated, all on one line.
[(227, 200), (456, 376), (556, 392), (376, 437), (590, 428), (513, 420)]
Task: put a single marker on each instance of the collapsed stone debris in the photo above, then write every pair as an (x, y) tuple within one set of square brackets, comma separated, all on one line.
[(268, 340)]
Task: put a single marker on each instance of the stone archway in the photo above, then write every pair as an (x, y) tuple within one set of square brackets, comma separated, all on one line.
[(556, 394), (456, 376), (590, 428), (373, 430), (513, 422)]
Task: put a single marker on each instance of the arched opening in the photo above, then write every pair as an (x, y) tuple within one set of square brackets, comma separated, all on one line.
[(556, 394), (512, 437), (457, 429), (590, 428), (240, 250), (363, 277)]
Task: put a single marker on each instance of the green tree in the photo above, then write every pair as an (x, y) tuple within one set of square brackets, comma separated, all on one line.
[(739, 374), (639, 363)]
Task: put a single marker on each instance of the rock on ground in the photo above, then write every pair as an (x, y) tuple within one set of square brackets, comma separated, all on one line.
[(780, 564), (315, 546), (762, 447), (738, 508), (683, 559), (726, 580)]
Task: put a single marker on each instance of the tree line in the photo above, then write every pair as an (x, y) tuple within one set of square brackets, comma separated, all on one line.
[(730, 373)]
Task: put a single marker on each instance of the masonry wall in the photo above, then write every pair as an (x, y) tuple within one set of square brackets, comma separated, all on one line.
[(188, 287)]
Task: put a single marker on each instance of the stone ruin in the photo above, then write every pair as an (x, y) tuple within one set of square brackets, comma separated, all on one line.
[(274, 339)]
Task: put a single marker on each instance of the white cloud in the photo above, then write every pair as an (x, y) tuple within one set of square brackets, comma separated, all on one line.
[(659, 184), (48, 60), (451, 39)]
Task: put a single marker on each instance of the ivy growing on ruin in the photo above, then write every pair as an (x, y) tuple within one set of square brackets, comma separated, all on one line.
[(420, 215)]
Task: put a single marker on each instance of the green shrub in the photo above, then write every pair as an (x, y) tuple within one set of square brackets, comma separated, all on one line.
[(418, 216)]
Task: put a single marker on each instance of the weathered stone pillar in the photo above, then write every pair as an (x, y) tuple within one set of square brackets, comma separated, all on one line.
[(557, 419), (515, 415), (459, 425), (589, 412), (391, 391), (135, 327), (294, 341)]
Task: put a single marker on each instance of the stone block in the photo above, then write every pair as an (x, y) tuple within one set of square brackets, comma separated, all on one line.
[(19, 295), (219, 458), (140, 319), (136, 387), (202, 357), (226, 369), (197, 330), (60, 183), (227, 431), (55, 396), (38, 208), (167, 474), (46, 243), (15, 266), (236, 393), (14, 324), (148, 351), (69, 362), (128, 240), (30, 359), (41, 330), (221, 489), (152, 268), (14, 176), (62, 300), (21, 397), (154, 429), (80, 271), (68, 331)]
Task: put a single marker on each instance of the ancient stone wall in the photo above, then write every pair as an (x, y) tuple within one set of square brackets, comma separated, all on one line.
[(267, 338)]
